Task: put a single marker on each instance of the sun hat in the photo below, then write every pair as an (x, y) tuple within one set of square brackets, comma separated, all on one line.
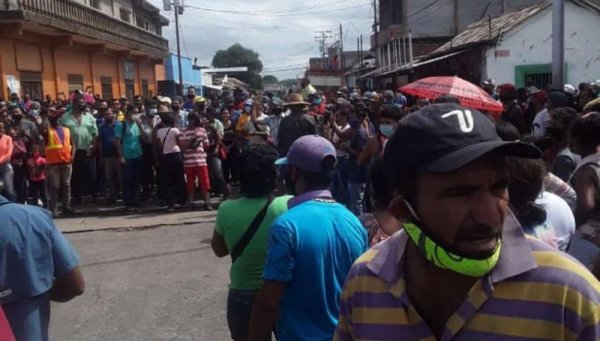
[(295, 99)]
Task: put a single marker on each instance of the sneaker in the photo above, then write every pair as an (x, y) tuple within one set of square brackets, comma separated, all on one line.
[(170, 209), (208, 207)]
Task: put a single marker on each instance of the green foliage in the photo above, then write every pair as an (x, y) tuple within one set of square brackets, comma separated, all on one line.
[(237, 55), (270, 79)]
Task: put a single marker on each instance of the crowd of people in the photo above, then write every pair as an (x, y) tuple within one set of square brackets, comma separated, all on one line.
[(361, 215)]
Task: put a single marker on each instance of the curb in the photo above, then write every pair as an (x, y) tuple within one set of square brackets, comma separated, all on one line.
[(139, 228)]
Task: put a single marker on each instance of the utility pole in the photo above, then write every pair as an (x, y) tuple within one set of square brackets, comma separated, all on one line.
[(558, 44), (342, 65), (177, 7), (321, 37), (375, 33)]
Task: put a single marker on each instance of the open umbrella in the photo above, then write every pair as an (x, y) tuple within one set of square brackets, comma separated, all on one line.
[(469, 94)]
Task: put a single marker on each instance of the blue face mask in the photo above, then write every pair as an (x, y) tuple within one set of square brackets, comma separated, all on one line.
[(387, 130)]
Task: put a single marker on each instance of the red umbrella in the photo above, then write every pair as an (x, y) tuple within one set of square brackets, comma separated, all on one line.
[(469, 95)]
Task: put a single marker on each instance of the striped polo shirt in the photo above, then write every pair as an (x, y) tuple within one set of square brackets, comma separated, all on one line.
[(194, 157), (533, 293)]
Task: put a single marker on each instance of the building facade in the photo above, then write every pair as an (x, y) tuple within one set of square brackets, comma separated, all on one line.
[(52, 47), (517, 48)]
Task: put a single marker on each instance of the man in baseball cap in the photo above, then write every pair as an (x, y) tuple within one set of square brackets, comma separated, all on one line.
[(462, 265), (313, 246)]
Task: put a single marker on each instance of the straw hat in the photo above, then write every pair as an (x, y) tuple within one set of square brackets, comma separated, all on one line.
[(295, 99)]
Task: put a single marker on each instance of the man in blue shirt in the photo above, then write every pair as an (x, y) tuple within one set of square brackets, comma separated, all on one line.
[(38, 265), (311, 249)]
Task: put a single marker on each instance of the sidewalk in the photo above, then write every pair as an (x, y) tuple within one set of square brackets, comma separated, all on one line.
[(134, 221)]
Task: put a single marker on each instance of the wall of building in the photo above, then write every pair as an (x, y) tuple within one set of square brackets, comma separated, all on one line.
[(56, 63), (438, 20), (531, 44)]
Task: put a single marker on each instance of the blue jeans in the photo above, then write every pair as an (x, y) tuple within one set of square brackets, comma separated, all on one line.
[(6, 175), (357, 197), (239, 311), (132, 171)]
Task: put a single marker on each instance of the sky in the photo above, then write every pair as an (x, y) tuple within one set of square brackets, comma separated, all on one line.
[(282, 32)]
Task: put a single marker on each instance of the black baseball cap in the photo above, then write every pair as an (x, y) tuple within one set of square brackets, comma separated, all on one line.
[(442, 138)]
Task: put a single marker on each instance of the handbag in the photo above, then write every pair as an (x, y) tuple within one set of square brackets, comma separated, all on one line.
[(238, 249), (222, 152)]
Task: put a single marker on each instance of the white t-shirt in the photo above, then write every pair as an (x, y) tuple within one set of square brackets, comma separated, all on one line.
[(561, 217), (170, 142), (540, 122)]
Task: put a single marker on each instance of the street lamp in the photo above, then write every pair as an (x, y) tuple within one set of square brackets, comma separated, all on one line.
[(177, 6)]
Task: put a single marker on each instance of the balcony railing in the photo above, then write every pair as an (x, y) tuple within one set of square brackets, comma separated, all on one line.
[(77, 18)]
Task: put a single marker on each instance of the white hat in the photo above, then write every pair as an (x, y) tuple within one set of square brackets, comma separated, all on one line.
[(164, 99)]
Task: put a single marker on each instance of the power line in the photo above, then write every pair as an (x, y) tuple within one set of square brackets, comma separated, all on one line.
[(267, 14), (423, 9)]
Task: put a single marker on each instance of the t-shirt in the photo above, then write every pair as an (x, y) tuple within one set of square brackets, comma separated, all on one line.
[(107, 140), (292, 128), (540, 122), (83, 132), (168, 140), (131, 144), (561, 217), (33, 254), (233, 218), (311, 248), (194, 157)]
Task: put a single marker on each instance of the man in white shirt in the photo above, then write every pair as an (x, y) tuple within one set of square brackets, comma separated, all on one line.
[(542, 118)]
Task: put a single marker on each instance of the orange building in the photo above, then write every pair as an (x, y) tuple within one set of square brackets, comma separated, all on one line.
[(49, 47)]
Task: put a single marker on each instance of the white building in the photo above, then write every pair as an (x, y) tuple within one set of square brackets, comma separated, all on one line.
[(517, 47)]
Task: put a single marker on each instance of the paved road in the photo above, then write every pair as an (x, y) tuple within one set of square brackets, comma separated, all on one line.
[(154, 284)]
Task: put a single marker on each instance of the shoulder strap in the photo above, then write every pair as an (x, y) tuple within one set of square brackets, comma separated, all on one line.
[(238, 249), (162, 147)]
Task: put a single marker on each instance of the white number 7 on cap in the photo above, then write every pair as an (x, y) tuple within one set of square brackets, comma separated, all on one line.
[(465, 119)]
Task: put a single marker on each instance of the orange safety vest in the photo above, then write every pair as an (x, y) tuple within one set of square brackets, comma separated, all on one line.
[(57, 151)]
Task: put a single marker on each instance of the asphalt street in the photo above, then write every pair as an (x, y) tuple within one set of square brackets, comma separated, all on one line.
[(162, 283)]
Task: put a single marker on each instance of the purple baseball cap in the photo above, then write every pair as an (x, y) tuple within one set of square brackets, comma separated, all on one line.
[(308, 153)]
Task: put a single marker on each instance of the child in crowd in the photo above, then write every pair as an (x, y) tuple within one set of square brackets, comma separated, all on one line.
[(193, 144), (36, 166)]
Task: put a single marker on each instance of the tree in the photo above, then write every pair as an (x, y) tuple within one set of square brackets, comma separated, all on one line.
[(270, 79), (290, 83), (237, 55)]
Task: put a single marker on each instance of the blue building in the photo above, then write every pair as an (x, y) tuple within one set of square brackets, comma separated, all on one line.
[(191, 77)]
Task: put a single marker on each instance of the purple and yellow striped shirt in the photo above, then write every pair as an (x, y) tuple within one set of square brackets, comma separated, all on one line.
[(533, 293)]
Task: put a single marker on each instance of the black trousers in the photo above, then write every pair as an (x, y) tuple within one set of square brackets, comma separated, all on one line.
[(84, 176), (173, 178)]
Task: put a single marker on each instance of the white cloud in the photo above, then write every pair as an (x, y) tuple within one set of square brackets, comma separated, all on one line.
[(281, 31)]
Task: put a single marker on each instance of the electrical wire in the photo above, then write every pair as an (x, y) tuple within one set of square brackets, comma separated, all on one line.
[(282, 14), (424, 8)]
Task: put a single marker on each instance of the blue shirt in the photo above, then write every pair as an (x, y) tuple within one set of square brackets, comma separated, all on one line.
[(107, 139), (131, 143), (311, 248), (33, 253)]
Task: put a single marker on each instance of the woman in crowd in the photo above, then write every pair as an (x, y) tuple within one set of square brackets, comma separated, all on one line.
[(527, 181), (17, 161), (6, 170), (584, 140), (228, 137), (254, 211), (171, 161), (381, 223), (193, 143)]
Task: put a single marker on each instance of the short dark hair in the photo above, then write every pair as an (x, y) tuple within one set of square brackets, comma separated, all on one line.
[(194, 117), (527, 181), (507, 131), (391, 111), (319, 180), (587, 131), (257, 170), (168, 119)]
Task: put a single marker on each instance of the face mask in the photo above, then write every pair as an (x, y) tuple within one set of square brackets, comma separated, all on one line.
[(445, 259), (152, 111), (387, 130), (247, 109)]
